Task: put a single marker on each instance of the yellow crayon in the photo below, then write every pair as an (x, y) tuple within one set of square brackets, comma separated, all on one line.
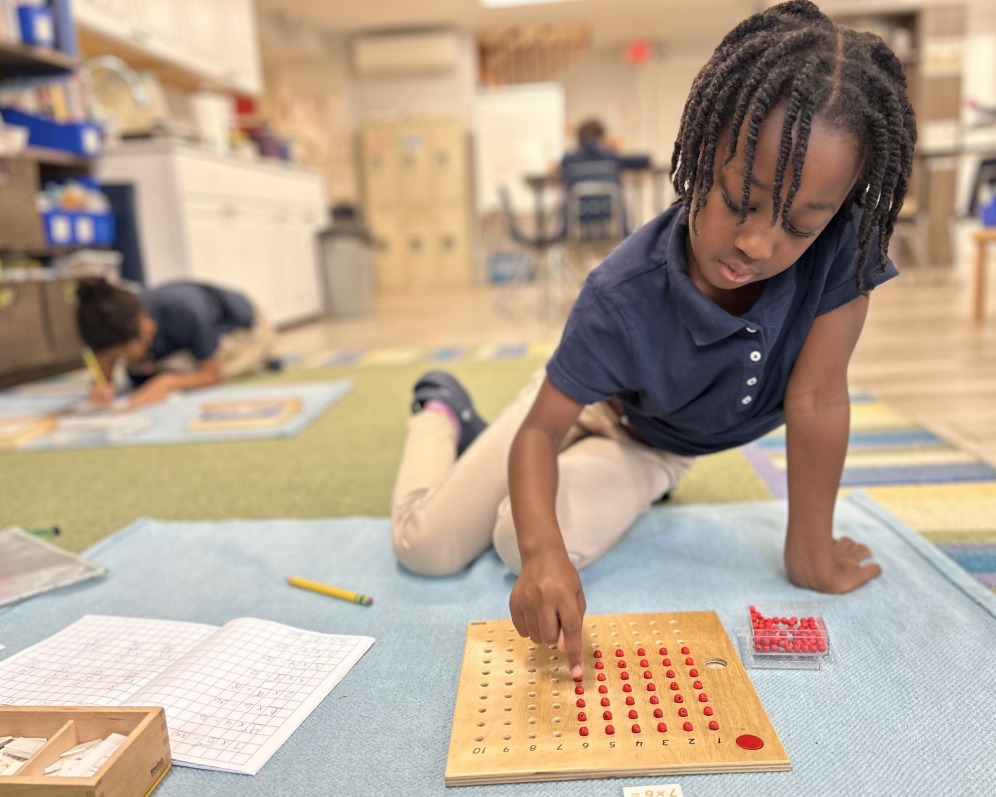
[(93, 366), (332, 592)]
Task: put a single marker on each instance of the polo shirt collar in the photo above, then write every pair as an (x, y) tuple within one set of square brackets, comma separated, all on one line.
[(706, 321)]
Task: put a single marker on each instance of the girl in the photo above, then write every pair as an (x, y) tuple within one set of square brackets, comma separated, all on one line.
[(733, 312), (178, 336)]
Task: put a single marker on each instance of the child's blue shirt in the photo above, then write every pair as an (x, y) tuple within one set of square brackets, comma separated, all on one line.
[(692, 378), (193, 316)]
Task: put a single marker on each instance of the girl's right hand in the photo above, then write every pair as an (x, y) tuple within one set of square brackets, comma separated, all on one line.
[(548, 605), (101, 395)]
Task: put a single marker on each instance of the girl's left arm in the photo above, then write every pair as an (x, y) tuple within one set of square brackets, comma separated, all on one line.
[(817, 422)]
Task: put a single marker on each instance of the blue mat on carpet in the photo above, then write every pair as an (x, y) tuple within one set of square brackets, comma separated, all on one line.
[(902, 706), (171, 421)]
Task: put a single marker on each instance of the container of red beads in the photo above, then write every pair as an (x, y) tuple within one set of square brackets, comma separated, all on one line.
[(784, 636)]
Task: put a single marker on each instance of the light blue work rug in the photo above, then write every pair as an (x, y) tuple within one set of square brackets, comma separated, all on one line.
[(904, 704), (222, 413)]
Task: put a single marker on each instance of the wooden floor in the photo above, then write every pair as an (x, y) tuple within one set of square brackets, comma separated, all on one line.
[(920, 351)]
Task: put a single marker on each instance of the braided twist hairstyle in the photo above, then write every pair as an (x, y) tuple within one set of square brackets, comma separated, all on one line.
[(794, 56)]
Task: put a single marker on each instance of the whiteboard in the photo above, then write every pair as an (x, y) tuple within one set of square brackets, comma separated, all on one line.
[(518, 130)]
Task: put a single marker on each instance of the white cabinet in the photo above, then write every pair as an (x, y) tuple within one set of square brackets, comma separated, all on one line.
[(215, 41), (110, 18), (246, 225)]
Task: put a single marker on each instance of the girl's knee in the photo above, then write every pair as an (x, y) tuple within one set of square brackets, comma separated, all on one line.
[(421, 553)]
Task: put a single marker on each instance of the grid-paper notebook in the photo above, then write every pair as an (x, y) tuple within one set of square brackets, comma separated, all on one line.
[(30, 566), (232, 694)]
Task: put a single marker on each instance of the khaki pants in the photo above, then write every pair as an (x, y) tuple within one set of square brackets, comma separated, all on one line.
[(446, 511)]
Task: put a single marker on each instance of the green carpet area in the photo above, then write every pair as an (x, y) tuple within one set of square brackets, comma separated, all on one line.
[(342, 465)]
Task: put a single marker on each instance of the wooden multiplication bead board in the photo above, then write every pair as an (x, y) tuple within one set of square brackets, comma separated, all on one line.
[(661, 693)]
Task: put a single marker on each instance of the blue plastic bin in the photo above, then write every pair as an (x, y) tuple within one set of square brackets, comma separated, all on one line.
[(37, 25), (987, 213), (75, 228), (81, 138)]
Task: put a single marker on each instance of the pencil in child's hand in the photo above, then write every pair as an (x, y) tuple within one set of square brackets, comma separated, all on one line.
[(332, 592), (94, 367)]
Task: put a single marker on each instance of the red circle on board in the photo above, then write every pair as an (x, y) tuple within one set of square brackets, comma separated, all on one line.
[(749, 741)]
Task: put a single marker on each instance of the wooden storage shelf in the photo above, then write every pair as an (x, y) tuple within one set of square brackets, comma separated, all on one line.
[(25, 58), (57, 157), (134, 770)]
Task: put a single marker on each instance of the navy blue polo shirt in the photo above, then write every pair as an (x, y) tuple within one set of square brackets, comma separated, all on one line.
[(692, 378), (192, 317)]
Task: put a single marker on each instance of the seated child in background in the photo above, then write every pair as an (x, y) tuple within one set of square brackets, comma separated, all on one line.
[(178, 336), (734, 311)]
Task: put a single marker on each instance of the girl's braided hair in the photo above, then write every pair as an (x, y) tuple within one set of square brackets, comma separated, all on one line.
[(793, 55)]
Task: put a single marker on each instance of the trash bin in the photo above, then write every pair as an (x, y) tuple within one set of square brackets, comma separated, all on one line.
[(347, 269)]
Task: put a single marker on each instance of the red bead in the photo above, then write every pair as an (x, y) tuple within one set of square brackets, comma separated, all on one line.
[(669, 674), (662, 651), (651, 687), (641, 652), (707, 711), (687, 726), (583, 731), (582, 717), (647, 674), (636, 728), (689, 661), (580, 703), (630, 700), (685, 651), (644, 663), (714, 726), (666, 662), (609, 730), (619, 652), (622, 664), (602, 689), (597, 654), (703, 698), (682, 712), (674, 686), (661, 727), (632, 714), (627, 688), (658, 713), (605, 701), (624, 676), (599, 665), (578, 679), (654, 700), (579, 690), (606, 715), (679, 699), (696, 684)]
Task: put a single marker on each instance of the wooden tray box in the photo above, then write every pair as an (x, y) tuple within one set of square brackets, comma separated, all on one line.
[(135, 769)]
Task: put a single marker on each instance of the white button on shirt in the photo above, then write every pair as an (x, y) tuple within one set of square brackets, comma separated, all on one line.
[(755, 356), (752, 381), (745, 400)]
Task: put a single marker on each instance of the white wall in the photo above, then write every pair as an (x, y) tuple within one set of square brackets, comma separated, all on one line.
[(445, 93)]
